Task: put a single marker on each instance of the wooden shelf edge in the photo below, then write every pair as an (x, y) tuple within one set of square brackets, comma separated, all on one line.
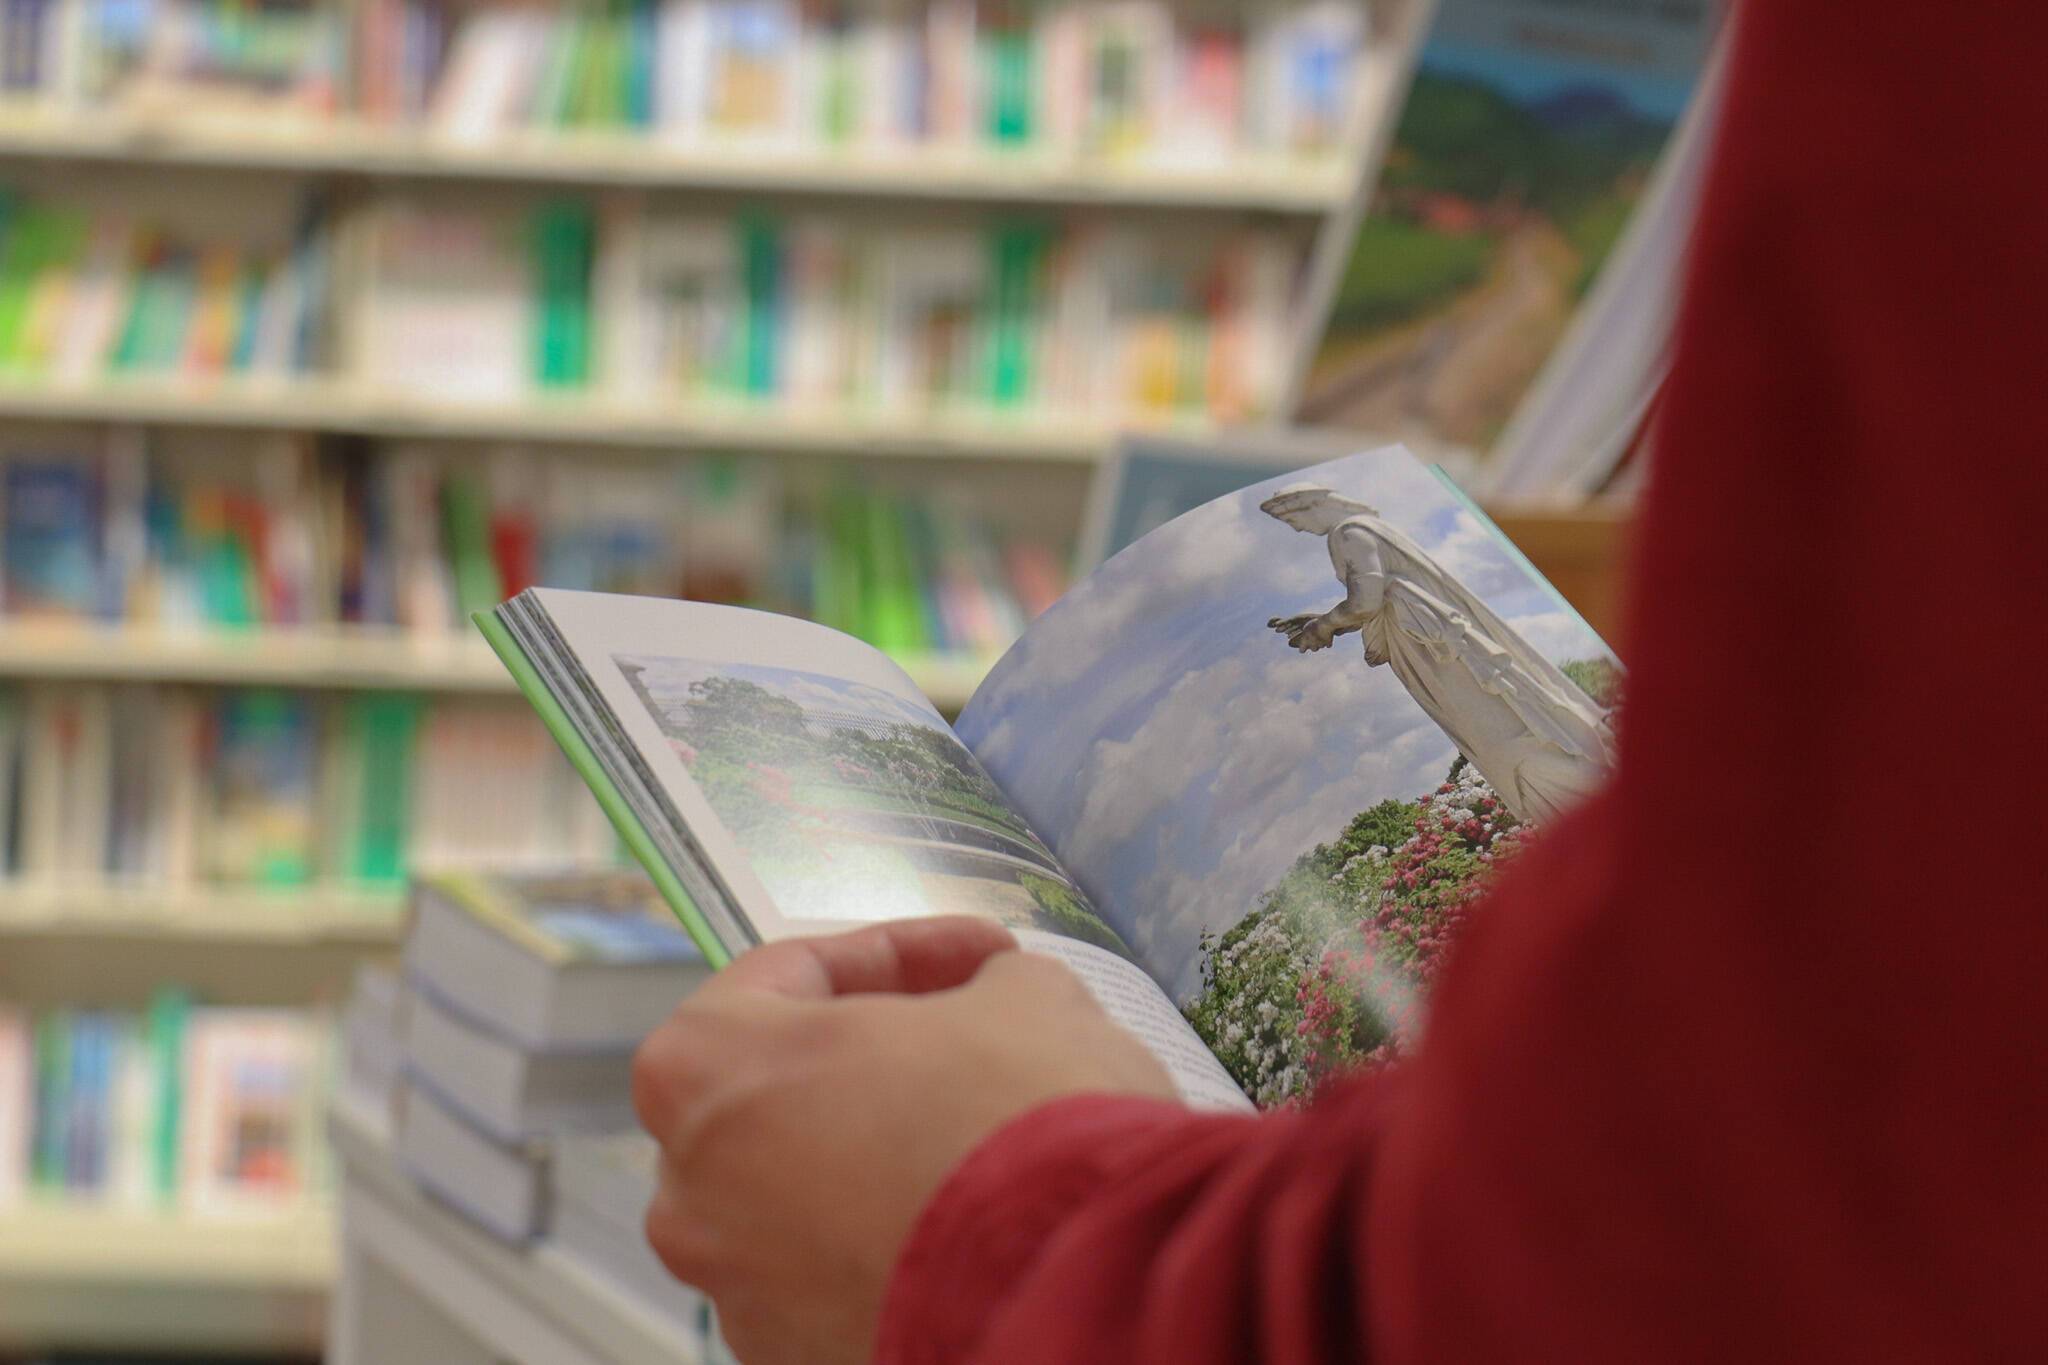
[(1250, 183), (244, 914), (329, 658), (54, 1241), (342, 408)]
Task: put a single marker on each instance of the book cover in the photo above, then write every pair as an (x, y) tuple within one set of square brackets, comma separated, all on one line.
[(1527, 139), (568, 918)]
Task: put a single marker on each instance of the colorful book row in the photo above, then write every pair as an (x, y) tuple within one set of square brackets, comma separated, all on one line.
[(172, 787), (184, 532), (204, 1109), (1195, 82), (84, 295), (1086, 320)]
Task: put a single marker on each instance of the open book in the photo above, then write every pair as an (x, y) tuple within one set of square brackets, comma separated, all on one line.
[(1243, 779)]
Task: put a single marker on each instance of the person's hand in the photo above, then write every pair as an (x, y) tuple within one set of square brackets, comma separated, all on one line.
[(810, 1098)]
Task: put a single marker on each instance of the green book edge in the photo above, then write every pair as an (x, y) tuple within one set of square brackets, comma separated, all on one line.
[(1522, 561), (608, 796)]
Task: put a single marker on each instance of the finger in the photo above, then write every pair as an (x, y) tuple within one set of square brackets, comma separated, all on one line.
[(906, 957)]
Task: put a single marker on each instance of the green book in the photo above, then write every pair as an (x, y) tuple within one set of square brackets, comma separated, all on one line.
[(164, 1028), (641, 38), (385, 729), (894, 619), (761, 253), (158, 301), (466, 523), (49, 1159), (38, 239), (841, 591), (1021, 251), (595, 81), (554, 92), (564, 247), (1009, 60)]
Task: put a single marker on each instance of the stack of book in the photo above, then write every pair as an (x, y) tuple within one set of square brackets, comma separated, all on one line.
[(602, 1186), (373, 1041), (170, 787), (196, 1109), (88, 293), (1187, 82), (181, 532), (1088, 321), (525, 999)]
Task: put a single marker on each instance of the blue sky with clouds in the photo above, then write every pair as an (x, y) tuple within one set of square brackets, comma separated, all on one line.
[(1171, 748)]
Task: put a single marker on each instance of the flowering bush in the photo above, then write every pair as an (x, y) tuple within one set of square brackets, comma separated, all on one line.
[(1329, 970)]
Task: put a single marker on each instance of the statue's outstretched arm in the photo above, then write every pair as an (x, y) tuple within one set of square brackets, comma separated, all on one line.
[(1357, 554)]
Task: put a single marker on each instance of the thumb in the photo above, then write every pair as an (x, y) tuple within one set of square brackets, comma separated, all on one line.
[(900, 957)]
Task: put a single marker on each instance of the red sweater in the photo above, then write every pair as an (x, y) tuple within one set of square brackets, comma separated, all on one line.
[(1747, 1059)]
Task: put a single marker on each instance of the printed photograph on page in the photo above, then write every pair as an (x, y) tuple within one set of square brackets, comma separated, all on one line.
[(1286, 742)]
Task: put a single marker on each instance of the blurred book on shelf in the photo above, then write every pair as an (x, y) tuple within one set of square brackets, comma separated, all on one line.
[(602, 1187), (177, 789), (204, 1110), (90, 291), (1196, 83), (187, 533)]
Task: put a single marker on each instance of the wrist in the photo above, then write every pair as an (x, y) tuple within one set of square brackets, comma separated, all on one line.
[(996, 1209)]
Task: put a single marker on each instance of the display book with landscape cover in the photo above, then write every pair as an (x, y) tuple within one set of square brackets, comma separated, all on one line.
[(1247, 778)]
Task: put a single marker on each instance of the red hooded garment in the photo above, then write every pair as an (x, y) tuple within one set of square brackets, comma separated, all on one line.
[(1748, 1059)]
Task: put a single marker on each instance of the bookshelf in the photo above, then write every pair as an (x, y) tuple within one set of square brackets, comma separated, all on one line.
[(204, 1285), (115, 1281)]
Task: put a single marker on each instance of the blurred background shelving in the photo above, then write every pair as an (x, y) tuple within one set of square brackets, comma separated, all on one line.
[(326, 322)]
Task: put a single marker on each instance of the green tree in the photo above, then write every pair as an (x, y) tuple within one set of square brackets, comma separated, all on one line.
[(1597, 678)]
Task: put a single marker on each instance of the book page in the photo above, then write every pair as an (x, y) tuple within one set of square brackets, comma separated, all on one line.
[(1280, 742), (828, 793)]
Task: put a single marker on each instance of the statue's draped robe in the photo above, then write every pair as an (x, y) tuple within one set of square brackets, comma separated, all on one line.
[(1534, 735)]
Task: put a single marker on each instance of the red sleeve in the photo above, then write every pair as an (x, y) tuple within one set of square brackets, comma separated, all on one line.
[(1745, 1059)]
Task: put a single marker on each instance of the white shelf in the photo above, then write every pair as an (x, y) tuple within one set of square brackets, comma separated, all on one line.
[(80, 1243), (286, 657), (323, 405), (75, 1276), (330, 657), (345, 146), (236, 914)]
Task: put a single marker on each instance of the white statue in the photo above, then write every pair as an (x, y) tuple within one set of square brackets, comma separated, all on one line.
[(1539, 741)]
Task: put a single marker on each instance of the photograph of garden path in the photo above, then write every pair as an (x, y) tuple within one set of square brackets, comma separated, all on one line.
[(852, 803)]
